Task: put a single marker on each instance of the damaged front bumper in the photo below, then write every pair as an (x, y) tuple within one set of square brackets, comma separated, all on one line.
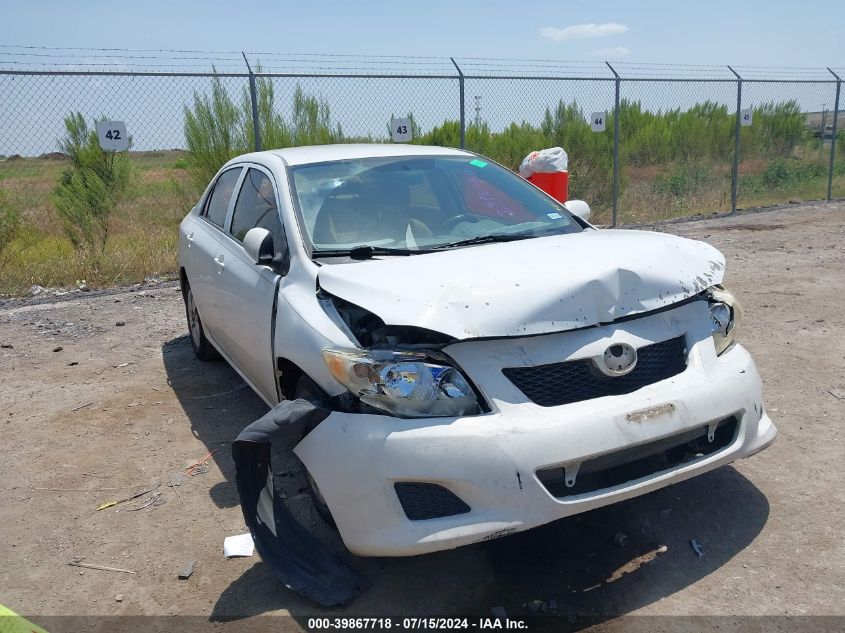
[(400, 487)]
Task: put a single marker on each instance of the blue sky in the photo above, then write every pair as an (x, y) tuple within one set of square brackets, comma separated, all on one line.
[(776, 33)]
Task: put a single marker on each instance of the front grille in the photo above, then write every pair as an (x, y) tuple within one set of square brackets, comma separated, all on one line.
[(572, 381), (428, 501), (644, 460)]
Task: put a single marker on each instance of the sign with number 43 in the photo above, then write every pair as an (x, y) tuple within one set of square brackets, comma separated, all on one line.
[(597, 120), (400, 130), (112, 136)]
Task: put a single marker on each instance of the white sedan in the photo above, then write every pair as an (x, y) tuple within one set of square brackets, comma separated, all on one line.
[(492, 362)]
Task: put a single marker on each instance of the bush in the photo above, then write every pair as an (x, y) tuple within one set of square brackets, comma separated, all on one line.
[(90, 189), (682, 180), (217, 129), (213, 132)]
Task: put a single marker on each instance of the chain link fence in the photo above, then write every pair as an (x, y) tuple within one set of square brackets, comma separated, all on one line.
[(675, 141)]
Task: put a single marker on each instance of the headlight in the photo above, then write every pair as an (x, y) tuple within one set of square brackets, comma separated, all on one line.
[(725, 317), (402, 383)]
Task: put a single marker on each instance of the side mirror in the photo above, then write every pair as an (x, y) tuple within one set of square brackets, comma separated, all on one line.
[(258, 244), (579, 208)]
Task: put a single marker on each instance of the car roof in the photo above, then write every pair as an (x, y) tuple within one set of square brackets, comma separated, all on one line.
[(345, 151)]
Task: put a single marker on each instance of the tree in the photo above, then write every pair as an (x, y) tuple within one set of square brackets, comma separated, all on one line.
[(217, 128), (90, 188), (214, 132)]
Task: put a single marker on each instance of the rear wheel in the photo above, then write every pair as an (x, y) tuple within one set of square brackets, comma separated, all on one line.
[(202, 347), (307, 389)]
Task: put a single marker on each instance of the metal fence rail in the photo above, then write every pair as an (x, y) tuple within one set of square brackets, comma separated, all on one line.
[(677, 140)]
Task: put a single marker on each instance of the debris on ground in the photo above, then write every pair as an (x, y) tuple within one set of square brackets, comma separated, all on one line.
[(118, 597), (7, 346), (192, 469), (58, 349), (636, 563), (839, 394), (175, 482), (120, 323), (134, 495), (82, 406), (155, 499), (620, 539), (240, 545), (696, 547), (187, 570), (535, 606), (102, 567)]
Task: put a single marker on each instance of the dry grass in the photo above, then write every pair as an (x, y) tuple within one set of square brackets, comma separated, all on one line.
[(143, 232)]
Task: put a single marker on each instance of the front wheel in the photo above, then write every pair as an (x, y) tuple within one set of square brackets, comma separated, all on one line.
[(203, 349)]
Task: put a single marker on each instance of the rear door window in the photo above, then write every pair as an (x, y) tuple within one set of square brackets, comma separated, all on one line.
[(221, 196)]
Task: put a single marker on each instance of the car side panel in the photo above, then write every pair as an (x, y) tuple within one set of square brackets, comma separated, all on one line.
[(198, 246)]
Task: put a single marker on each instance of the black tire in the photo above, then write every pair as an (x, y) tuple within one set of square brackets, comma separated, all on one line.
[(307, 389), (203, 349)]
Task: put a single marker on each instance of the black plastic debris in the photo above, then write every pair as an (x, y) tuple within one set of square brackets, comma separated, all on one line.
[(697, 547), (294, 555)]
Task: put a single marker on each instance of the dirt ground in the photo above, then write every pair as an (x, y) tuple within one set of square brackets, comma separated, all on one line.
[(101, 396)]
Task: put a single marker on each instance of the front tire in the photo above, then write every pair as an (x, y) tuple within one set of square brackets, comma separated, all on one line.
[(307, 389), (203, 348)]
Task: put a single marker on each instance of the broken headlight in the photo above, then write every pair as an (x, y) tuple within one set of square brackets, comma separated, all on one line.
[(403, 383), (725, 317)]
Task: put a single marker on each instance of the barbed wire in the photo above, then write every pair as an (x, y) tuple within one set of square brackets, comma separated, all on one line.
[(27, 57)]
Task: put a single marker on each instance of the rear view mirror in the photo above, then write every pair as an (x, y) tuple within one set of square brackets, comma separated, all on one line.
[(258, 244), (579, 208)]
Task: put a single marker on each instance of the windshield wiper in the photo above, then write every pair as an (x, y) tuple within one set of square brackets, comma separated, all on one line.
[(367, 252), (487, 239)]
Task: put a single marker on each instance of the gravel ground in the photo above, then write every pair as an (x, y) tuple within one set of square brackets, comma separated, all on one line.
[(91, 410)]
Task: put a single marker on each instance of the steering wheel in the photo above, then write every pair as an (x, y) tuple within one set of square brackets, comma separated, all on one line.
[(450, 223)]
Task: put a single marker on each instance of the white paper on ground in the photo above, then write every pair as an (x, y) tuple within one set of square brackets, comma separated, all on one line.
[(240, 545)]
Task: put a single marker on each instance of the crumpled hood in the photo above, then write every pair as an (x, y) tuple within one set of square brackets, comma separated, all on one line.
[(532, 286)]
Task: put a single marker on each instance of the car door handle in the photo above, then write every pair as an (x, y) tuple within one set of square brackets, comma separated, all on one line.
[(190, 239), (219, 261)]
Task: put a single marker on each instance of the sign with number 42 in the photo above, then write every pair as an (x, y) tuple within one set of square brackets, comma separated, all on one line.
[(112, 136), (597, 120), (400, 130)]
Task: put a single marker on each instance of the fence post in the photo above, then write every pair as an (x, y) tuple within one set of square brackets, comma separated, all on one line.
[(737, 128), (253, 97), (615, 146), (461, 88), (833, 139)]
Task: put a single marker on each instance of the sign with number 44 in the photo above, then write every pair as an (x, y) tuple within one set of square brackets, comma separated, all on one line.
[(597, 120), (112, 136), (400, 130)]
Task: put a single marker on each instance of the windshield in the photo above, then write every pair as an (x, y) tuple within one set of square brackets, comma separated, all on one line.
[(412, 203)]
